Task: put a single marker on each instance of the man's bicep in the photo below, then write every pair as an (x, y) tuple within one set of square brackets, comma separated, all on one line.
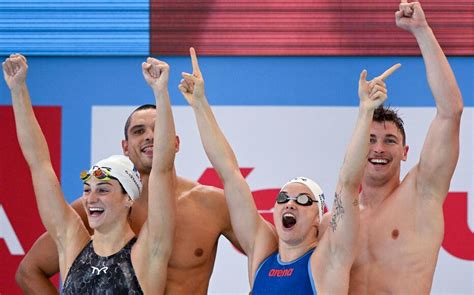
[(230, 235), (439, 156)]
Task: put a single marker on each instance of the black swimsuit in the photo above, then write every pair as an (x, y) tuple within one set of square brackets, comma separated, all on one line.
[(94, 274)]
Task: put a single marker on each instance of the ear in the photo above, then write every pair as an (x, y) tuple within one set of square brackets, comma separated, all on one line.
[(324, 223), (125, 147), (405, 152), (316, 221), (129, 202), (177, 144)]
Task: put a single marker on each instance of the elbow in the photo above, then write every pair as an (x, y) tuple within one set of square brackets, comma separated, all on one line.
[(162, 169), (455, 108), (162, 165), (459, 107), (25, 274), (162, 248), (350, 181), (230, 177), (21, 275)]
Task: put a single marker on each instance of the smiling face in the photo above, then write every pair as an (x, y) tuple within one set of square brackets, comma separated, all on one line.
[(386, 151), (139, 145), (296, 223), (105, 203), (140, 137)]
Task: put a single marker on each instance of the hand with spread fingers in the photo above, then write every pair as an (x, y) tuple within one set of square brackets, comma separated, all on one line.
[(373, 93), (156, 73), (192, 85), (410, 16), (15, 69)]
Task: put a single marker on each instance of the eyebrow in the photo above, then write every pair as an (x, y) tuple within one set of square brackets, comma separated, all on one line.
[(391, 136), (137, 126), (387, 135), (102, 182)]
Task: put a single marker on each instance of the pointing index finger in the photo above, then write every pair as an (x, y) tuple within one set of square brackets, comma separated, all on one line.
[(389, 72), (194, 61)]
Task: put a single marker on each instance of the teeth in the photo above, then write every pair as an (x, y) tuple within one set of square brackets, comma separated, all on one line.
[(147, 148), (288, 215), (96, 209), (379, 161)]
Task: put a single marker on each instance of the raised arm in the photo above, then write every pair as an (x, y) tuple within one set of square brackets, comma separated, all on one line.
[(60, 220), (246, 222), (434, 172), (155, 241), (344, 224)]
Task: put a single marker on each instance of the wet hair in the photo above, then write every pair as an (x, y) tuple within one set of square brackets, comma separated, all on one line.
[(123, 189), (129, 119), (386, 114)]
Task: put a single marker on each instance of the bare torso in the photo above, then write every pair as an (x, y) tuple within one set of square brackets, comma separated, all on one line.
[(398, 244), (199, 225)]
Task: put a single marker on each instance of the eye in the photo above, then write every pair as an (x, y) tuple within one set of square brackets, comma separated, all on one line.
[(390, 141), (372, 140), (138, 131), (87, 190), (282, 198), (102, 190)]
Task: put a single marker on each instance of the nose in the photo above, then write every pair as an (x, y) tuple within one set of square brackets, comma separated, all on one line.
[(149, 133), (290, 205), (91, 197), (378, 147)]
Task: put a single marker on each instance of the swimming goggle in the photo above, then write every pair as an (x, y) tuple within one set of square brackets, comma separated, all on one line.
[(101, 173), (302, 199)]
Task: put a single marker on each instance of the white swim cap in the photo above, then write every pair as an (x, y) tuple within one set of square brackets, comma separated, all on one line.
[(315, 189), (121, 168)]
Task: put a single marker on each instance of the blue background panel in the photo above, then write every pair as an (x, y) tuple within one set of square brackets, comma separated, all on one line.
[(68, 27)]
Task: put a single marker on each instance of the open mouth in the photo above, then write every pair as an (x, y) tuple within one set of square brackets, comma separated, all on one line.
[(378, 161), (288, 220), (95, 211), (147, 150)]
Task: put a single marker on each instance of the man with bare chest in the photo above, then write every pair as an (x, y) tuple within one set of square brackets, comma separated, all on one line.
[(202, 216), (402, 225)]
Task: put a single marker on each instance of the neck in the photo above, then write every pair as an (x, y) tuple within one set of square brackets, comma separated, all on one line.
[(374, 193), (291, 252), (110, 242)]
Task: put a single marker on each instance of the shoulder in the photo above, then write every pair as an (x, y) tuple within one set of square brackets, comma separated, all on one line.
[(206, 199), (206, 190), (208, 195), (194, 189)]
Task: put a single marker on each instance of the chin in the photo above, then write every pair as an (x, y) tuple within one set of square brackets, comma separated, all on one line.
[(93, 225), (146, 163)]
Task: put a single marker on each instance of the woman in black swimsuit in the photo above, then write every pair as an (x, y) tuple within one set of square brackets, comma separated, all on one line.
[(113, 260)]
